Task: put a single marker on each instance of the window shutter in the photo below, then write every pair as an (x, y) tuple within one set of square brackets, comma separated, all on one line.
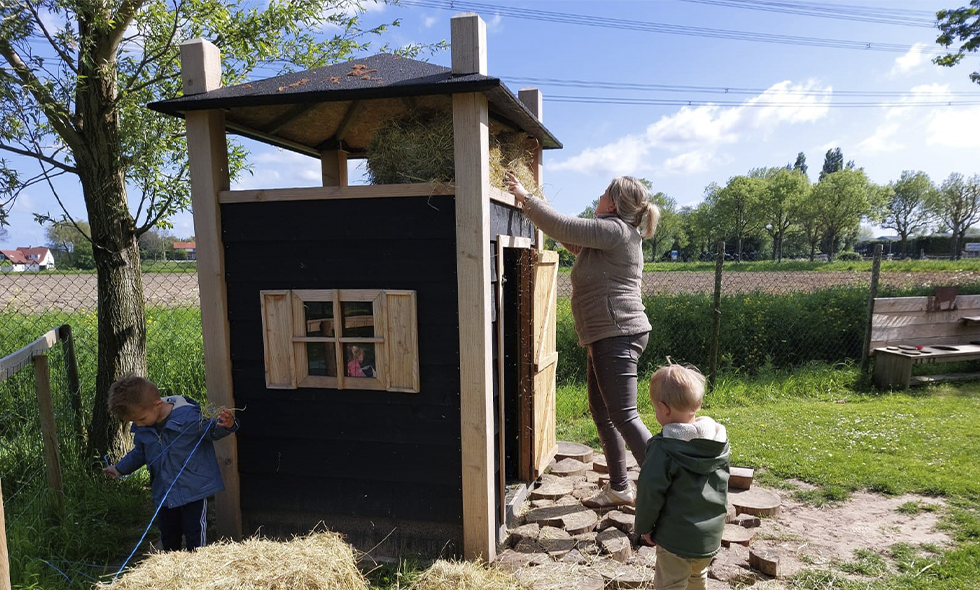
[(277, 327), (402, 341)]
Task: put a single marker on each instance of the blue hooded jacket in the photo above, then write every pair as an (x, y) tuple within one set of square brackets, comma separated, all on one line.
[(183, 429)]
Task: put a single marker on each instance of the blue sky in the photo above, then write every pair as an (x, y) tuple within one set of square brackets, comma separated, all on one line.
[(682, 149)]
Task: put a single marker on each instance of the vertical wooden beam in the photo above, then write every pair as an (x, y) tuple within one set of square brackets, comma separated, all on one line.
[(4, 559), (869, 318), (333, 165), (207, 150), (472, 152), (49, 432), (74, 384), (532, 99)]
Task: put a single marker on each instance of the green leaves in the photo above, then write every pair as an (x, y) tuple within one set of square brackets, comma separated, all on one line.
[(959, 24)]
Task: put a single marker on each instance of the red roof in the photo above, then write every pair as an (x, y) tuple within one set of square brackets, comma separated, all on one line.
[(23, 255), (184, 246)]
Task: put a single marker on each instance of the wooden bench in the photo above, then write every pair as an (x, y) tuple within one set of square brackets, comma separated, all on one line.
[(909, 331)]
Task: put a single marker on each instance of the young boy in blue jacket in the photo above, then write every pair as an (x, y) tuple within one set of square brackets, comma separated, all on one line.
[(169, 434), (682, 491)]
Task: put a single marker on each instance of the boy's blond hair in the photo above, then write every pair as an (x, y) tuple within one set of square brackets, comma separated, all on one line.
[(129, 393), (680, 387)]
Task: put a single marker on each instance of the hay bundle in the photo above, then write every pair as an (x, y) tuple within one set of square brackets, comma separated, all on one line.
[(315, 562), (418, 147), (465, 575)]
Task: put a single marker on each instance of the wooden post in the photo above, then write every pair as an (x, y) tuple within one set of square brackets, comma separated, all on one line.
[(533, 100), (4, 559), (472, 152), (49, 432), (333, 166), (74, 384), (207, 150), (716, 317), (872, 293)]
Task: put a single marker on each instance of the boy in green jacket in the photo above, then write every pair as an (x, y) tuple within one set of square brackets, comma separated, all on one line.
[(683, 487)]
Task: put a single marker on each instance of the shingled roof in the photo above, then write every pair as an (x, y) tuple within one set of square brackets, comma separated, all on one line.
[(341, 105)]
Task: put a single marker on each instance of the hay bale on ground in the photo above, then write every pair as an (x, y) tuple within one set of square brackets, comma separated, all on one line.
[(465, 575), (315, 562), (418, 147)]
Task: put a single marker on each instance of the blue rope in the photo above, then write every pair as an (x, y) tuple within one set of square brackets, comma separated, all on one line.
[(56, 569), (164, 499), (105, 458)]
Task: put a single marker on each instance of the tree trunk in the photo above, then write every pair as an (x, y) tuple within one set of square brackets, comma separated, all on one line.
[(122, 324)]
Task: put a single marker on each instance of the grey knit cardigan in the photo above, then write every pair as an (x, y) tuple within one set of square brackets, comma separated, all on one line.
[(607, 274)]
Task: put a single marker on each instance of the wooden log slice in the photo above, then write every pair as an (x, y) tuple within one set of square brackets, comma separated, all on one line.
[(740, 478), (620, 520), (553, 515), (569, 467), (552, 576), (555, 541), (552, 490), (756, 501), (512, 561), (571, 450), (577, 523), (618, 575), (765, 561), (525, 531), (614, 542), (736, 535), (599, 463)]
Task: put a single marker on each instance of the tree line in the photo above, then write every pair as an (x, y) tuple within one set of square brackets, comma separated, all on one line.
[(778, 212)]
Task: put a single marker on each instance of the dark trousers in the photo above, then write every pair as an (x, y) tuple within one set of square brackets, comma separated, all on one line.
[(611, 383), (187, 522)]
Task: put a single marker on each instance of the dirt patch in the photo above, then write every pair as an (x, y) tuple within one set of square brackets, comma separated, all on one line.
[(37, 293), (809, 536)]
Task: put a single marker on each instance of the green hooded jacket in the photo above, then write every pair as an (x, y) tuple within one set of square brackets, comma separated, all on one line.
[(681, 496)]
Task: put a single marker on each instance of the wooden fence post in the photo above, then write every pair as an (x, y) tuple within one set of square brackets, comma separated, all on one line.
[(4, 561), (872, 293), (716, 317), (74, 385), (49, 433)]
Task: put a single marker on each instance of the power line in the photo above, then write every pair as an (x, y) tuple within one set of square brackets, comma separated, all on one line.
[(885, 16), (661, 28), (625, 100), (640, 87)]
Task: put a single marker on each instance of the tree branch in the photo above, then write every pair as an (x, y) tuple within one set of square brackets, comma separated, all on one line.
[(67, 59), (63, 208), (41, 157), (58, 117), (122, 19), (163, 51)]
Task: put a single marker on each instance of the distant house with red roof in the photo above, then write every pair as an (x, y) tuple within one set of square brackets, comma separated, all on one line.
[(29, 259), (189, 247)]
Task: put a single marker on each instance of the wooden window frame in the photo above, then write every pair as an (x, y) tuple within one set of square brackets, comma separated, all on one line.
[(286, 359)]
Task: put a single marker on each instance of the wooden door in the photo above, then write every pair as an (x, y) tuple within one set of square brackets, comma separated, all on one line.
[(540, 355)]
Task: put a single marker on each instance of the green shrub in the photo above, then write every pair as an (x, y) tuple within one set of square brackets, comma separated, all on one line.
[(849, 257)]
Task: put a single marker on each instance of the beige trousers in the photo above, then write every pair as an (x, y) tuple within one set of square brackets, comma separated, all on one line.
[(677, 573)]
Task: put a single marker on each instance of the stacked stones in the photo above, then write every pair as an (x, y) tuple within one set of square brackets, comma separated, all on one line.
[(560, 538)]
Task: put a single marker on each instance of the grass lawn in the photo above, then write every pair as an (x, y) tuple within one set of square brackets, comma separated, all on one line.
[(804, 265), (814, 427)]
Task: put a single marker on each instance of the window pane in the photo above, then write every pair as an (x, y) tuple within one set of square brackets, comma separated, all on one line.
[(358, 318), (319, 318), (360, 360), (322, 359)]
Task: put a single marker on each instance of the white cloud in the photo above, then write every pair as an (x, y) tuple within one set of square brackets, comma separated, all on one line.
[(908, 62), (955, 128), (495, 25), (275, 168), (694, 134), (429, 21), (689, 162), (883, 140)]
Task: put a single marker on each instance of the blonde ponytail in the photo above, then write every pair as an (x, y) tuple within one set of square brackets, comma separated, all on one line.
[(649, 218)]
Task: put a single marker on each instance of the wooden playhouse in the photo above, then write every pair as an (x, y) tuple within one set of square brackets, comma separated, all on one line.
[(393, 346)]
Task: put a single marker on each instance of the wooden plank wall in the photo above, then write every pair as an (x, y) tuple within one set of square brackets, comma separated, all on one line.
[(908, 320), (364, 462)]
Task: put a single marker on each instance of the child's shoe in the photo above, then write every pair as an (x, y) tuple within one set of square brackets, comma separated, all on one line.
[(609, 498)]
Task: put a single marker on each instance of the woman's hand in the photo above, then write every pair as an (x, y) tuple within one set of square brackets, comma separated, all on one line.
[(515, 187)]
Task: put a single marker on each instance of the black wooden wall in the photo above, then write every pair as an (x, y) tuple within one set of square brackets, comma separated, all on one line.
[(383, 468)]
